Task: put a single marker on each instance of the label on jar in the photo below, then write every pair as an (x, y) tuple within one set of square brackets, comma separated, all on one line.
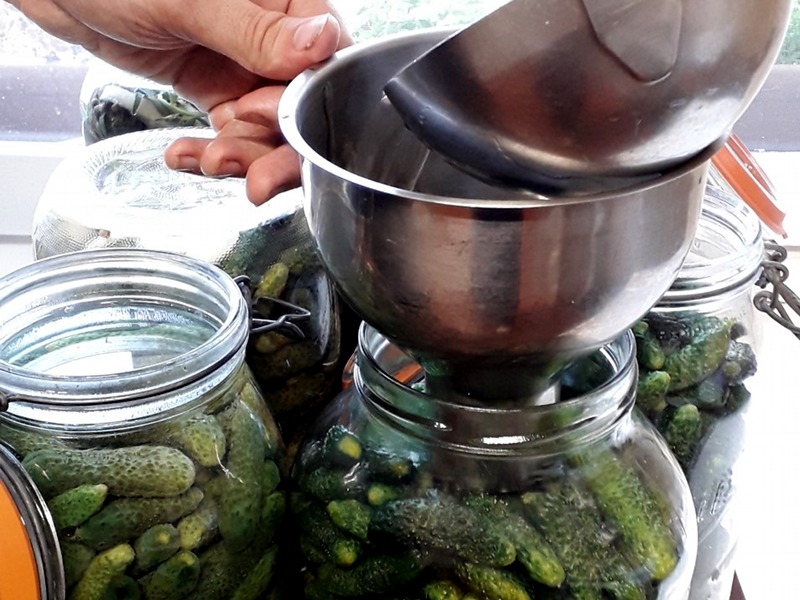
[(18, 573)]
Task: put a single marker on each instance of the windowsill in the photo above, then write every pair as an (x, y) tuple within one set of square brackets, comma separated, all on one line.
[(769, 478)]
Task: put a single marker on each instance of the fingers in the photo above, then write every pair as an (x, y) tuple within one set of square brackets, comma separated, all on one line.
[(273, 173), (260, 106), (236, 146), (269, 169), (268, 43), (240, 149)]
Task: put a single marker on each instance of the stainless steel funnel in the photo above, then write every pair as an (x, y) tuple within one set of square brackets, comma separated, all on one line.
[(544, 93), (494, 290)]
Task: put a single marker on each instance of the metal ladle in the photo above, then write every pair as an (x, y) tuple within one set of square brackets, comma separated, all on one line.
[(545, 94)]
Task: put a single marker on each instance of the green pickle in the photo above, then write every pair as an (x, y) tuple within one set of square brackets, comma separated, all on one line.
[(297, 375), (71, 508), (707, 365), (602, 536), (190, 508)]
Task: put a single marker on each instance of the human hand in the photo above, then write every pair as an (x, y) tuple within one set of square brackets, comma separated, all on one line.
[(210, 51), (248, 144)]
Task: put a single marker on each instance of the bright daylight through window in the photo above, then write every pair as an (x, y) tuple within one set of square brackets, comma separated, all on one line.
[(41, 85)]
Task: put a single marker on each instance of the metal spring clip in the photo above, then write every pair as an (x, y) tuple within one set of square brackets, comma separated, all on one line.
[(774, 301), (286, 324)]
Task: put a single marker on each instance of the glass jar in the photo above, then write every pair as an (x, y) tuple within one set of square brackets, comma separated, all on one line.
[(130, 407), (400, 495), (115, 102), (119, 193), (31, 567), (696, 351)]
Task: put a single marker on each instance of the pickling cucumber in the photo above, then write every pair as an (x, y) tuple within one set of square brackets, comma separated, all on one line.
[(148, 471), (127, 518)]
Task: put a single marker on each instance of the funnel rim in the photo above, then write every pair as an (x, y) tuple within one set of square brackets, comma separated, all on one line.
[(311, 79)]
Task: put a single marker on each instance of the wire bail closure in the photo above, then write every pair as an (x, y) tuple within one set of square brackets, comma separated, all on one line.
[(286, 324), (780, 299)]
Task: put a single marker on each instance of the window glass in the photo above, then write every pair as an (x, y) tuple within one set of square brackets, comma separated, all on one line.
[(41, 76)]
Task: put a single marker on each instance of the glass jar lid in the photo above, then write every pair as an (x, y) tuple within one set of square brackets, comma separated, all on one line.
[(120, 193), (31, 567), (120, 327)]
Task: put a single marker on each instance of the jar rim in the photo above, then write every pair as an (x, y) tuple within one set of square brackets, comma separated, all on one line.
[(98, 283), (38, 526), (504, 429), (726, 253)]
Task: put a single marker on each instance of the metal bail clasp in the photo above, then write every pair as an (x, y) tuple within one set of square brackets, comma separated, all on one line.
[(285, 324), (777, 301), (5, 399)]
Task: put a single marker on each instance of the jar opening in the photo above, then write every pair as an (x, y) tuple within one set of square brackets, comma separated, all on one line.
[(726, 252), (592, 395), (102, 326)]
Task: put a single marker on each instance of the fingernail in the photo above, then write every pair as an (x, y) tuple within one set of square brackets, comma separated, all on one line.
[(309, 31), (228, 168), (186, 162)]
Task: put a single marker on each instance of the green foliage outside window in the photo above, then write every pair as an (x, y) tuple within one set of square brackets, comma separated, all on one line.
[(790, 53)]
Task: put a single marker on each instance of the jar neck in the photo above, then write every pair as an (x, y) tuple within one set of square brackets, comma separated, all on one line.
[(593, 398), (726, 254), (113, 330)]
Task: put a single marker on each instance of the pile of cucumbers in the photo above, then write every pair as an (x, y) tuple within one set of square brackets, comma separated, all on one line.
[(191, 508), (374, 523)]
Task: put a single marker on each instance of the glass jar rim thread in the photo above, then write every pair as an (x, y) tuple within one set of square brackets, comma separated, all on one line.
[(494, 430), (125, 300)]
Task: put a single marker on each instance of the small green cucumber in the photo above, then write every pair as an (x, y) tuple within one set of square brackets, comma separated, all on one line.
[(239, 506), (101, 572), (492, 584), (201, 438), (147, 471), (155, 546), (258, 578), (173, 579), (128, 518), (73, 507), (76, 558)]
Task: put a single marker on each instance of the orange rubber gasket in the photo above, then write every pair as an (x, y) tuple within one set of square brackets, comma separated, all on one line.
[(19, 575)]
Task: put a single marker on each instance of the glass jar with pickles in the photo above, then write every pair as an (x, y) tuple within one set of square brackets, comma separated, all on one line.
[(120, 193), (400, 495), (696, 351), (130, 408)]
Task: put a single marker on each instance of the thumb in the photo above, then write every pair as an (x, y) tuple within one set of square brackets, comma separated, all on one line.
[(265, 42)]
